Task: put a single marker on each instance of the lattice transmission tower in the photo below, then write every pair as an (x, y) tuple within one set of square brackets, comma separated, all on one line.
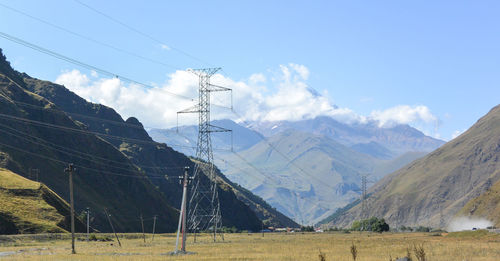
[(204, 207)]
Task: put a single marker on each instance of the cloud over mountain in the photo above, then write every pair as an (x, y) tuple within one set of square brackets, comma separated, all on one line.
[(284, 95)]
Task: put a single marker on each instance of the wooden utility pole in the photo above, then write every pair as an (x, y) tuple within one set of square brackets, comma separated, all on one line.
[(88, 223), (182, 215), (143, 234), (154, 226), (262, 230), (112, 228), (70, 170)]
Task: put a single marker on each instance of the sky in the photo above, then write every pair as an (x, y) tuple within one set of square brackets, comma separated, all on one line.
[(431, 64)]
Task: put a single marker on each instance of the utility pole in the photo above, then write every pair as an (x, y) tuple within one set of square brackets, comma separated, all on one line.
[(204, 206), (363, 197), (262, 230), (88, 223), (143, 234), (112, 228), (154, 226), (70, 170), (181, 228)]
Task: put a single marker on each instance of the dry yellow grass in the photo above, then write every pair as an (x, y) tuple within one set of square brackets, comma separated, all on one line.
[(335, 246), (10, 180)]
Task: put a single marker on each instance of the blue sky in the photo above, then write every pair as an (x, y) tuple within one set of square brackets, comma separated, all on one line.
[(432, 64)]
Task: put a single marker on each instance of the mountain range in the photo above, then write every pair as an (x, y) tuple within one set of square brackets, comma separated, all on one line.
[(306, 169)]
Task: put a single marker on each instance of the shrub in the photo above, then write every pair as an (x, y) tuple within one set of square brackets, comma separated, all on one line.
[(371, 224), (419, 252), (354, 251)]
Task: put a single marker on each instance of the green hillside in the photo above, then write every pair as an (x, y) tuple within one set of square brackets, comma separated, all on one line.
[(431, 190), (30, 207)]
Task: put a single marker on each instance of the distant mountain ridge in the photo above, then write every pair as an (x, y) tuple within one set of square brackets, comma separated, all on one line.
[(398, 139), (281, 182)]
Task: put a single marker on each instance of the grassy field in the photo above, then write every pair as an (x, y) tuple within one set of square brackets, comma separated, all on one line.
[(478, 245)]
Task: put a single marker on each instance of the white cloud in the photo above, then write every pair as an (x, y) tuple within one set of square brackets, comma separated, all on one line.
[(403, 114), (301, 70), (155, 107), (257, 78), (286, 97), (73, 78), (165, 47)]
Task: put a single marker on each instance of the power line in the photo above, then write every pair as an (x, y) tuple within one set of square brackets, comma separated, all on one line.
[(80, 157), (254, 167), (93, 156), (84, 65), (88, 38), (59, 111), (99, 133), (139, 32), (97, 119), (64, 128), (284, 156), (79, 166)]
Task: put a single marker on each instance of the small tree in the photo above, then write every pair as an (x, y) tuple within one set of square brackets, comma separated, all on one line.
[(380, 226)]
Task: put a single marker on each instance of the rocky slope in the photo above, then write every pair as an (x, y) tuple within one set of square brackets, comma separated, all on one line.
[(326, 155)]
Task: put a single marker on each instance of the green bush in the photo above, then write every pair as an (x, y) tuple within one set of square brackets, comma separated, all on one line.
[(371, 224)]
